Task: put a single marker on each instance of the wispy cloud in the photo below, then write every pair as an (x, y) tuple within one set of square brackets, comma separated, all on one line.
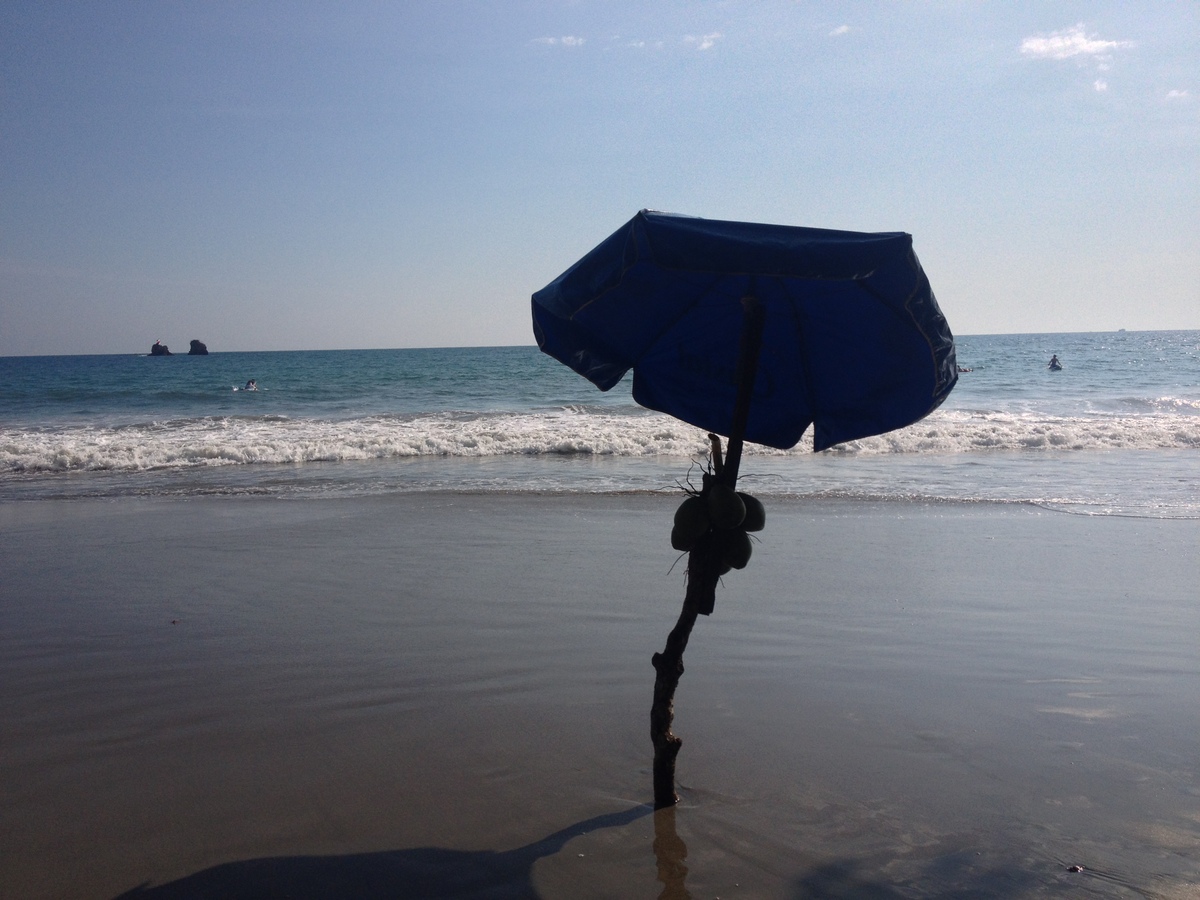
[(569, 40), (1068, 43), (840, 30), (705, 41), (1100, 85), (1178, 95)]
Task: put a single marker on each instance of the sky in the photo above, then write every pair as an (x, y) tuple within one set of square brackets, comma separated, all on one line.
[(299, 175)]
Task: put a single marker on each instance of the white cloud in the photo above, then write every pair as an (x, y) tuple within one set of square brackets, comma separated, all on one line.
[(1100, 84), (704, 42), (640, 44), (567, 41), (1067, 43), (1178, 95), (840, 30)]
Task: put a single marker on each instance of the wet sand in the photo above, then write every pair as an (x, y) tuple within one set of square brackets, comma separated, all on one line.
[(448, 696)]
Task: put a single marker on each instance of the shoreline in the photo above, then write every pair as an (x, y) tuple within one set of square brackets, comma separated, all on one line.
[(929, 697), (1152, 484)]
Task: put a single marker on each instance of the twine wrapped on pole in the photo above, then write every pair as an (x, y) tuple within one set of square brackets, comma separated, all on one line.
[(704, 567)]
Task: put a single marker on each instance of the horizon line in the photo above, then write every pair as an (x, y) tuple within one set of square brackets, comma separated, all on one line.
[(499, 346)]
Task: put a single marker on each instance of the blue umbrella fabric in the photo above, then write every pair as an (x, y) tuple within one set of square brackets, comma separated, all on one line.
[(853, 344)]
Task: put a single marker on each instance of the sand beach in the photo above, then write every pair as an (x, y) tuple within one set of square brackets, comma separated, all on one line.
[(447, 695)]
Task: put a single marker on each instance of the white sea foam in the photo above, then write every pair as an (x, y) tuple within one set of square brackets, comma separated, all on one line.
[(571, 431), (956, 431)]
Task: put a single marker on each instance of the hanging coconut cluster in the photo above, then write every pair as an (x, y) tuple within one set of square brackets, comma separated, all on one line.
[(725, 514)]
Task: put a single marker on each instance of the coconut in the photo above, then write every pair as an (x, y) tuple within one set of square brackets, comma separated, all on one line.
[(735, 548), (681, 540), (725, 507), (692, 513), (691, 521), (756, 514)]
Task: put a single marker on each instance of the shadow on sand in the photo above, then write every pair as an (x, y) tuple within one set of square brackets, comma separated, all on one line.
[(423, 872)]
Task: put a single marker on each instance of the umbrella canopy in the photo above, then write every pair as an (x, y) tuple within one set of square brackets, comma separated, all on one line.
[(853, 341)]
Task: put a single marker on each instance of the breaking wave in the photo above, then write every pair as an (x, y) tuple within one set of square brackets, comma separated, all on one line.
[(571, 431)]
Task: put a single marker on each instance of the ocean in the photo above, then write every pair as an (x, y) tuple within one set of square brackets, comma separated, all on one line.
[(1116, 432)]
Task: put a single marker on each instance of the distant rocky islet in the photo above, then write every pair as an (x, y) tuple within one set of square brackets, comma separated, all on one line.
[(197, 348)]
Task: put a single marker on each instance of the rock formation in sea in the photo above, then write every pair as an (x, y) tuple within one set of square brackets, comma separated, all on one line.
[(160, 349), (198, 348)]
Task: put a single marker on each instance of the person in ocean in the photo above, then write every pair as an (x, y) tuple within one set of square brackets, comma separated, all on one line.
[(1054, 363), (251, 385)]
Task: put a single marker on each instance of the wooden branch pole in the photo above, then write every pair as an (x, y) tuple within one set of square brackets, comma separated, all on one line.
[(704, 568)]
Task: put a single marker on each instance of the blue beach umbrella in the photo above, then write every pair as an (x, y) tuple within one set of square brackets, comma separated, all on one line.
[(853, 342), (754, 332)]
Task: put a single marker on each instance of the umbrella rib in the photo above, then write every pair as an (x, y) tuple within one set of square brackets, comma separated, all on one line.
[(907, 317), (708, 290), (805, 370)]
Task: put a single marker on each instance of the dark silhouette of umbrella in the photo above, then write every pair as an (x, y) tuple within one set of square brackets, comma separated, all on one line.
[(754, 332), (853, 340)]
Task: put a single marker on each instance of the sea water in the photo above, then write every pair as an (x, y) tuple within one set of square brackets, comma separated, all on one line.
[(1116, 432)]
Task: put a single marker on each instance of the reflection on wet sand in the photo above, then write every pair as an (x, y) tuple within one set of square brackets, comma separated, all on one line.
[(670, 851)]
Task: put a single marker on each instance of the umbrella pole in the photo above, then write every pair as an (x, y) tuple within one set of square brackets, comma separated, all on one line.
[(753, 317), (703, 570)]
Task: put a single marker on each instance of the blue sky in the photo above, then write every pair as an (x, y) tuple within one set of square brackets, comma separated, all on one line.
[(330, 175)]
